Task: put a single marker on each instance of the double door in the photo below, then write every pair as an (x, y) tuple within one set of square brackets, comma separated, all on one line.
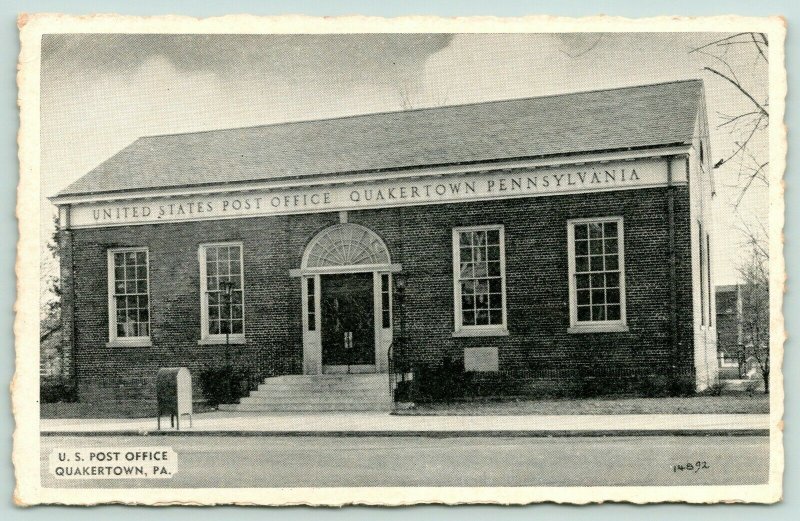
[(347, 306)]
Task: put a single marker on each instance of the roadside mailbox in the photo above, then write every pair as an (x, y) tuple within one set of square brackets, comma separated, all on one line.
[(174, 395)]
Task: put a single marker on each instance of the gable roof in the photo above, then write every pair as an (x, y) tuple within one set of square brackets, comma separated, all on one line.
[(602, 120)]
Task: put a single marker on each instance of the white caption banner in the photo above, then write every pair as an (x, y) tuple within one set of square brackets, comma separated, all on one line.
[(114, 463)]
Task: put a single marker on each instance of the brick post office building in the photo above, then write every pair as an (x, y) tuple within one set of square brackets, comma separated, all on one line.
[(531, 241)]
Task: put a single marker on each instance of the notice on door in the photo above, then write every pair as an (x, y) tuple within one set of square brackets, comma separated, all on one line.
[(114, 463)]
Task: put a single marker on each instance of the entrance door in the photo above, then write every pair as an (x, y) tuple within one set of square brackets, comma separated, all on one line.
[(348, 322)]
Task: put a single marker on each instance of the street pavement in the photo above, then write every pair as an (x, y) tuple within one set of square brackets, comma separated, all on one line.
[(382, 423), (292, 461)]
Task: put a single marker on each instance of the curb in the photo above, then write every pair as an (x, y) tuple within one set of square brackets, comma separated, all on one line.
[(424, 434)]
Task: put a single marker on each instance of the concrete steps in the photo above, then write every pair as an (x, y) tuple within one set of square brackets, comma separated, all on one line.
[(327, 392), (304, 407)]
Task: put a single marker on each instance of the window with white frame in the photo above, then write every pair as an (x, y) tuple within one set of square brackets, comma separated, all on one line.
[(129, 295), (479, 273), (596, 273), (222, 290)]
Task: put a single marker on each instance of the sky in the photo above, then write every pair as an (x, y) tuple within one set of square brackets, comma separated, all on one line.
[(99, 93)]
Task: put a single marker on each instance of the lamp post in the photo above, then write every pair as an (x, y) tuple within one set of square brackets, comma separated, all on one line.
[(227, 291), (402, 364), (400, 295)]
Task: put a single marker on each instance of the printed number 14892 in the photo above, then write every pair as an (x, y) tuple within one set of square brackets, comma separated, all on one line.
[(697, 466)]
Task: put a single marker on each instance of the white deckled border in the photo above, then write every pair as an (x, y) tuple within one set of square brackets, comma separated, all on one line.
[(25, 384)]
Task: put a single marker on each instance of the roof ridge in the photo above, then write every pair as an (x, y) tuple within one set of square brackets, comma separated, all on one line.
[(421, 109)]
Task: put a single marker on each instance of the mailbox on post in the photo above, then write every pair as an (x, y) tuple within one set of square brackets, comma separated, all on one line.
[(174, 394)]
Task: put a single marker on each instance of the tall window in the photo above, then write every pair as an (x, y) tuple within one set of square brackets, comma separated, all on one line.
[(311, 305), (222, 291), (386, 302), (129, 299), (479, 273), (702, 245), (596, 274)]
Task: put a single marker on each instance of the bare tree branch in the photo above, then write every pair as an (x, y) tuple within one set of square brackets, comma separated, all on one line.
[(756, 240), (717, 42), (741, 89), (732, 119), (759, 168), (724, 64), (758, 47), (743, 144), (749, 182), (754, 317), (732, 40)]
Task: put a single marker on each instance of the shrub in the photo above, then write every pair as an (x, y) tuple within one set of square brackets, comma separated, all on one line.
[(715, 389), (682, 385), (55, 391), (404, 392), (590, 384), (491, 384), (654, 386), (441, 382), (224, 383)]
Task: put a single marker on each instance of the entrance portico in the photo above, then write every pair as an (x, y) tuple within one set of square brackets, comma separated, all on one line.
[(346, 294)]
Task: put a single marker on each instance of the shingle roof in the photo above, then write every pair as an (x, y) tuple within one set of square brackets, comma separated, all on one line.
[(630, 117)]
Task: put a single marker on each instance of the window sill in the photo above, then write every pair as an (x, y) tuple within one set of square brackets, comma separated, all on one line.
[(598, 328), (479, 332), (216, 340), (139, 342)]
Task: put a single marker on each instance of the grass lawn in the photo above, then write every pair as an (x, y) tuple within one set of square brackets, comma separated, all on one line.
[(728, 404)]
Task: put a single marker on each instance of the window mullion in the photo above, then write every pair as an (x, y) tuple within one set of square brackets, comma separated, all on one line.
[(595, 297), (480, 303), (127, 322), (219, 318)]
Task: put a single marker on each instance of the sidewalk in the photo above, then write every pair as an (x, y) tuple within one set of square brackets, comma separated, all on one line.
[(384, 424)]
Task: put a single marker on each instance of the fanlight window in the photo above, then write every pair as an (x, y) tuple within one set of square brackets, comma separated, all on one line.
[(346, 245)]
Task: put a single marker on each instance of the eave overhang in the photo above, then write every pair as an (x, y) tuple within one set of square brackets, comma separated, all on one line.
[(345, 178)]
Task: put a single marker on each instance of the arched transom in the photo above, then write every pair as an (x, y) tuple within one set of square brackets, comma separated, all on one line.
[(346, 244)]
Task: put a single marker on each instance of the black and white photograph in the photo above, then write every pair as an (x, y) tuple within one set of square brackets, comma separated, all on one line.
[(370, 261)]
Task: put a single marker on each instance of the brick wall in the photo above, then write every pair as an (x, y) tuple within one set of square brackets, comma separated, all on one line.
[(537, 279), (420, 238)]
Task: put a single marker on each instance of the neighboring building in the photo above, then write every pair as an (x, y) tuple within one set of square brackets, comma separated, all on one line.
[(729, 330), (539, 239), (734, 362)]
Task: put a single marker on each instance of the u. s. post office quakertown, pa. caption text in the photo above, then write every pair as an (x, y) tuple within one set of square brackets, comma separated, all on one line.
[(113, 463)]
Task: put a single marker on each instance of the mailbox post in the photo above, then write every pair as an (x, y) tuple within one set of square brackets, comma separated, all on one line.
[(174, 394)]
